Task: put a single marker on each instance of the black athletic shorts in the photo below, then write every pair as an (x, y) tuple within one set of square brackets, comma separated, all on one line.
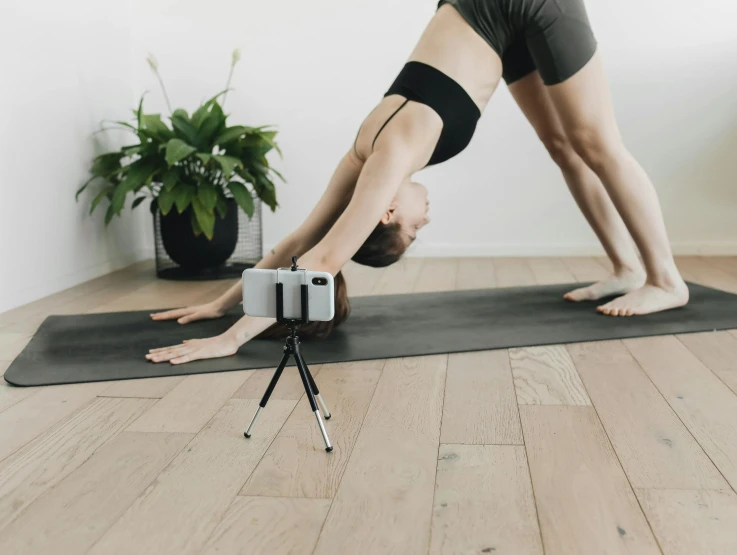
[(552, 36)]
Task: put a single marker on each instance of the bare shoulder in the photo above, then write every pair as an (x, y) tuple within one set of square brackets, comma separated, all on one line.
[(398, 124)]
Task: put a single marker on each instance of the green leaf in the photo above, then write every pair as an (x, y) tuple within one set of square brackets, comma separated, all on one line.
[(199, 115), (136, 202), (268, 136), (242, 196), (83, 187), (156, 128), (183, 196), (176, 150), (166, 201), (195, 225), (109, 215), (228, 163), (139, 113), (105, 164), (266, 191), (280, 176), (206, 218), (230, 134), (105, 193), (185, 130), (208, 196), (222, 205), (170, 180), (204, 157), (212, 124), (138, 173), (181, 113)]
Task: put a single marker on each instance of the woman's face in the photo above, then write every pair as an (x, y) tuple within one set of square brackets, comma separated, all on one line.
[(409, 209)]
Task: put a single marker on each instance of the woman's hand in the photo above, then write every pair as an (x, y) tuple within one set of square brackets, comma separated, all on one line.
[(208, 311), (223, 345)]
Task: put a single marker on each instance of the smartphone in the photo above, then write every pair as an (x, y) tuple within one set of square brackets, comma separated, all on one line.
[(259, 293)]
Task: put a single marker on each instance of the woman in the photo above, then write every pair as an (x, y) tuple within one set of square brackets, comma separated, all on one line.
[(546, 52)]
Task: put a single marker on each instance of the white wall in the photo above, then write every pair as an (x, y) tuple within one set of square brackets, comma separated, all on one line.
[(64, 67), (316, 69)]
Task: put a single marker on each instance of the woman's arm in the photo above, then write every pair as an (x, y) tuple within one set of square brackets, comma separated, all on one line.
[(320, 220), (377, 185)]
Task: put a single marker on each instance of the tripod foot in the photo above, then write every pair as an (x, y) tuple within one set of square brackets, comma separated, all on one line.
[(246, 435), (328, 447)]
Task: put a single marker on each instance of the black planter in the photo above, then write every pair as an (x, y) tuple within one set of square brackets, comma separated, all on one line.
[(199, 253), (236, 245)]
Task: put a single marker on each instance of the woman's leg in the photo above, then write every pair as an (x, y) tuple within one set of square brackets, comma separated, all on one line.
[(584, 106), (534, 101)]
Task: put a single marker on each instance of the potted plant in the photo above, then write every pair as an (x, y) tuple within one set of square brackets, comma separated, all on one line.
[(197, 170)]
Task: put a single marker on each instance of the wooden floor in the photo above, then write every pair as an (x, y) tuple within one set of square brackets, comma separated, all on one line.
[(597, 448)]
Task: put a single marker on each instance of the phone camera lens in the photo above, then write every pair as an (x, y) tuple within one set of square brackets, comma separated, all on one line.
[(319, 281)]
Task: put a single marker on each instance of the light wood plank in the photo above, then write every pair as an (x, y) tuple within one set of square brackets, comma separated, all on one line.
[(546, 376), (44, 462), (71, 517), (484, 502), (480, 403), (33, 415), (586, 268), (180, 510), (438, 274), (10, 395), (77, 299), (4, 364), (725, 263), (399, 278), (11, 344), (476, 273), (163, 294), (289, 385), (690, 522), (188, 407), (549, 271), (718, 351), (273, 525), (513, 272), (696, 269), (361, 280), (295, 465), (384, 502), (584, 501), (706, 406), (145, 388), (652, 444)]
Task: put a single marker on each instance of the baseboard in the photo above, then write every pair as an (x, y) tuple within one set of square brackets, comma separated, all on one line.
[(449, 250), (54, 284)]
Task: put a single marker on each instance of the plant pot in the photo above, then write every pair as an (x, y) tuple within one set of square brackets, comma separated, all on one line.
[(199, 253)]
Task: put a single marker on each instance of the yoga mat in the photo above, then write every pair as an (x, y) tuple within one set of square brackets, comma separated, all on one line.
[(100, 347)]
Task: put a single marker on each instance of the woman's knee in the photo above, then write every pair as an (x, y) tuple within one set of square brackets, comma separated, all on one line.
[(597, 149), (560, 149)]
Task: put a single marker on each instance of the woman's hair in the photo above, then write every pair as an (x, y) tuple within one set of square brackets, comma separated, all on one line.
[(318, 330), (383, 247)]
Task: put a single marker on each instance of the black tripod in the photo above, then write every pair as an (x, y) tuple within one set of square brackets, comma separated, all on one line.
[(291, 348)]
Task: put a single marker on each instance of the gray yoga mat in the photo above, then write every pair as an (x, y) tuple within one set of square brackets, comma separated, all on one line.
[(100, 347)]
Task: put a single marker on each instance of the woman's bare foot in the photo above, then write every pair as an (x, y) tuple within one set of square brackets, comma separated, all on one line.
[(647, 299), (620, 283)]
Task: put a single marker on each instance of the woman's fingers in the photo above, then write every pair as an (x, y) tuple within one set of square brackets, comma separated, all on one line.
[(192, 317), (168, 354), (171, 314)]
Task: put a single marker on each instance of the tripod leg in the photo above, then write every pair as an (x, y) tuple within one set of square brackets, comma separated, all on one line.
[(316, 392), (269, 391), (313, 405)]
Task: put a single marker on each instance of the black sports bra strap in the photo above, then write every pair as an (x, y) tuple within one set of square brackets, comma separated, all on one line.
[(387, 121)]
